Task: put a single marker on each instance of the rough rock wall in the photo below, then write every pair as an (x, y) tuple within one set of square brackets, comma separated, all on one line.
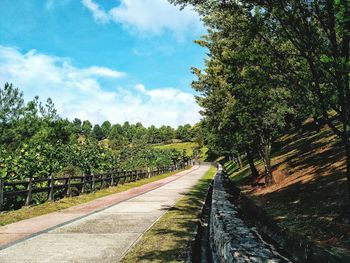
[(231, 240)]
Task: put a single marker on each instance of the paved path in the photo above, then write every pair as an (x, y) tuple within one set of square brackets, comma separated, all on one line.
[(100, 231)]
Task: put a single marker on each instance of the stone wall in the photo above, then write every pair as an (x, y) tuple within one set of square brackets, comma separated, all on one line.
[(231, 240), (300, 249)]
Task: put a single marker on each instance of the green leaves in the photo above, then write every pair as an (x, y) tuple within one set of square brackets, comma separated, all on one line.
[(36, 142)]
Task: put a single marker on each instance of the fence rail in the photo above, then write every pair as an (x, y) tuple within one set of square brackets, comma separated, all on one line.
[(59, 187)]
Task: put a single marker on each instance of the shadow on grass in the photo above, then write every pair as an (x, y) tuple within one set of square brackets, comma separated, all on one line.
[(314, 193), (168, 240), (310, 209)]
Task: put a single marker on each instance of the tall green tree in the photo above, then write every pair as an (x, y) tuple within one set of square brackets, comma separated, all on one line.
[(241, 92), (106, 128), (86, 128), (319, 33)]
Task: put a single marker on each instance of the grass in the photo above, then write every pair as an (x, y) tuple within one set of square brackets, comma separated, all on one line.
[(168, 239), (235, 174), (180, 146), (49, 207), (310, 189)]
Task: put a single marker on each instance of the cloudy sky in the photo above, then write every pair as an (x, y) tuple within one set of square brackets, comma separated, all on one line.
[(121, 60)]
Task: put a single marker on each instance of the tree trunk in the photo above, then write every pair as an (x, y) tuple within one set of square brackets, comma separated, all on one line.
[(250, 159), (240, 161), (317, 124), (345, 217), (267, 163), (266, 157)]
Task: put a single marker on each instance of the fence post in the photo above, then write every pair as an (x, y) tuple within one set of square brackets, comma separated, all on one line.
[(117, 174), (83, 181), (51, 185), (93, 186), (68, 186), (29, 193), (103, 181), (112, 178), (125, 176), (1, 194), (122, 178)]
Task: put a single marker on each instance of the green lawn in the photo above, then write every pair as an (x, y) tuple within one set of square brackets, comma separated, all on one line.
[(49, 207), (168, 239)]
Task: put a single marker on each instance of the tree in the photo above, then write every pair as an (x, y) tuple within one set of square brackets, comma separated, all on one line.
[(319, 34), (184, 133), (166, 133), (138, 132), (11, 111), (106, 128), (77, 126), (48, 111), (11, 104), (98, 132), (86, 128), (241, 93), (153, 135)]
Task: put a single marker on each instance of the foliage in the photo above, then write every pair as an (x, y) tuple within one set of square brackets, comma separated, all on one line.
[(271, 64), (36, 143)]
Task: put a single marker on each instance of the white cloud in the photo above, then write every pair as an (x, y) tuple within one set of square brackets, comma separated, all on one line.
[(104, 72), (51, 4), (97, 12), (77, 92), (149, 17)]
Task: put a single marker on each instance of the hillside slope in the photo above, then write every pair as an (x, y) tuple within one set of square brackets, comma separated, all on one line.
[(310, 189), (187, 146)]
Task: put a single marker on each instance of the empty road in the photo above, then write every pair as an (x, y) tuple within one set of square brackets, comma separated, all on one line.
[(99, 231)]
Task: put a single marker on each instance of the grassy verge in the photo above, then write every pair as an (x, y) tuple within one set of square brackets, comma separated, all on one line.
[(168, 239), (49, 207)]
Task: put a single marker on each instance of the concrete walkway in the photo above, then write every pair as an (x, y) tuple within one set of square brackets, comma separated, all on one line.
[(100, 231)]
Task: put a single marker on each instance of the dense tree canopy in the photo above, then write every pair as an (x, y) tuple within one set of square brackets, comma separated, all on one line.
[(271, 64)]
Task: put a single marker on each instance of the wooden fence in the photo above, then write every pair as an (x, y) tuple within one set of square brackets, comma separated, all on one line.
[(55, 188)]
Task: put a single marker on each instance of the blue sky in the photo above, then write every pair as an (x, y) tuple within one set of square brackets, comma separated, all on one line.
[(126, 60)]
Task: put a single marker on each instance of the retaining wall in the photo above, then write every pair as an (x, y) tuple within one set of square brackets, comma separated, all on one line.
[(231, 240)]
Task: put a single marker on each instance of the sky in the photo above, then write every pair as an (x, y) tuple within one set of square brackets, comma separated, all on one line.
[(116, 60)]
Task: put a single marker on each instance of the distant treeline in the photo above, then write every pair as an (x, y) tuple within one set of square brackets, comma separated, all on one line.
[(127, 133), (36, 142)]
